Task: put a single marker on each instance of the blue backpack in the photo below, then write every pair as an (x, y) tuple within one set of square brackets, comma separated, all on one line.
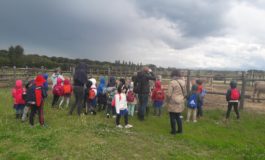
[(192, 101)]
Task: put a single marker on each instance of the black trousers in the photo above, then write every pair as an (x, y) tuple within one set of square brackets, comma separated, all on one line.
[(118, 117), (111, 110), (55, 99), (79, 99), (175, 119), (229, 108)]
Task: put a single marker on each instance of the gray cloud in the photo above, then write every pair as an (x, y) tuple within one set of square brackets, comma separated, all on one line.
[(157, 31)]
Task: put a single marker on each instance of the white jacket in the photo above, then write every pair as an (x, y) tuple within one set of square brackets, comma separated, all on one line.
[(94, 84), (120, 102)]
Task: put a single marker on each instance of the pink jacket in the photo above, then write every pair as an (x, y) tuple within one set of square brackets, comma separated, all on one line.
[(17, 93)]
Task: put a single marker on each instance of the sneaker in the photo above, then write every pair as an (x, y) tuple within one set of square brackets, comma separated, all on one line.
[(119, 126), (108, 115), (114, 116), (194, 121), (128, 126), (181, 117)]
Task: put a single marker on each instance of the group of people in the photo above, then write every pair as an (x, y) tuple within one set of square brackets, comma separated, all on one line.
[(118, 98)]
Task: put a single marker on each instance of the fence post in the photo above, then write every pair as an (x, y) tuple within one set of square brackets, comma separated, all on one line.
[(188, 82), (15, 74), (242, 100)]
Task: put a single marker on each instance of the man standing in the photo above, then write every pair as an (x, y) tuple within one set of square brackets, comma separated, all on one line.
[(142, 88)]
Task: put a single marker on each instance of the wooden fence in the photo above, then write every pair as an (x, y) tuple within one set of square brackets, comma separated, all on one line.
[(9, 75)]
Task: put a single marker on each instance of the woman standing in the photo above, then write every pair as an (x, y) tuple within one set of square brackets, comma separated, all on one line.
[(80, 79), (176, 98)]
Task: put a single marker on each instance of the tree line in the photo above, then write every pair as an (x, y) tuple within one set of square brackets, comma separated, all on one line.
[(15, 56)]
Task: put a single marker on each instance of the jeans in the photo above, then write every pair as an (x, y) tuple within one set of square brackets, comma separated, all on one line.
[(131, 108), (79, 99), (143, 101), (230, 105), (199, 109), (175, 119), (34, 110)]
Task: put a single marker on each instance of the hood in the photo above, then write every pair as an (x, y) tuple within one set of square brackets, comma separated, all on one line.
[(93, 80), (102, 81), (233, 84), (66, 81), (39, 80), (19, 84), (59, 80), (158, 85), (112, 82), (45, 76), (131, 85), (122, 80)]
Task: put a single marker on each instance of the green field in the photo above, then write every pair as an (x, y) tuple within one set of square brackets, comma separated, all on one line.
[(95, 137)]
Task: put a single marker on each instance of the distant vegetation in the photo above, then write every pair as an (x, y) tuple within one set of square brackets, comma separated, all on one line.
[(15, 56)]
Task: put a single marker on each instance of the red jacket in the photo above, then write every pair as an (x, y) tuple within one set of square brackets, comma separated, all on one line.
[(58, 88), (17, 93), (38, 92), (158, 93)]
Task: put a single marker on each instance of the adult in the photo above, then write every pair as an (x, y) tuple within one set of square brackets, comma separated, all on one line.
[(176, 98), (142, 88), (80, 79), (55, 76)]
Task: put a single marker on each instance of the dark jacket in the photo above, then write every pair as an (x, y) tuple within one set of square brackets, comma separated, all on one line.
[(80, 76), (141, 83)]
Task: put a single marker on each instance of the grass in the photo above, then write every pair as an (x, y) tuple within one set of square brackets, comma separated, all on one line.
[(95, 137)]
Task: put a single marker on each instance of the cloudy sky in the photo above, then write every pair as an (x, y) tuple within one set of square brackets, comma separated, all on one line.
[(214, 34)]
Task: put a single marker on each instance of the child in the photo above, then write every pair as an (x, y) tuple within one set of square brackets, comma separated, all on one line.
[(111, 91), (120, 103), (18, 93), (102, 96), (158, 96), (232, 97), (67, 91), (131, 99), (92, 99), (193, 100), (57, 91), (45, 84), (27, 106), (201, 91), (35, 98)]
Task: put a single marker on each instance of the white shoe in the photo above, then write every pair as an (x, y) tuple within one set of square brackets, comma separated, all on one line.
[(114, 116), (119, 126), (181, 117), (194, 121), (128, 126)]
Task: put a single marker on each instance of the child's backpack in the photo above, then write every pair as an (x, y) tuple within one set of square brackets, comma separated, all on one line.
[(192, 101), (58, 90), (130, 96), (160, 95), (67, 89), (30, 96), (91, 94), (235, 95)]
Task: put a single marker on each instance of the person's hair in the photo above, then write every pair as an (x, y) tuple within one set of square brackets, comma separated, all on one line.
[(199, 81), (120, 87), (176, 73)]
